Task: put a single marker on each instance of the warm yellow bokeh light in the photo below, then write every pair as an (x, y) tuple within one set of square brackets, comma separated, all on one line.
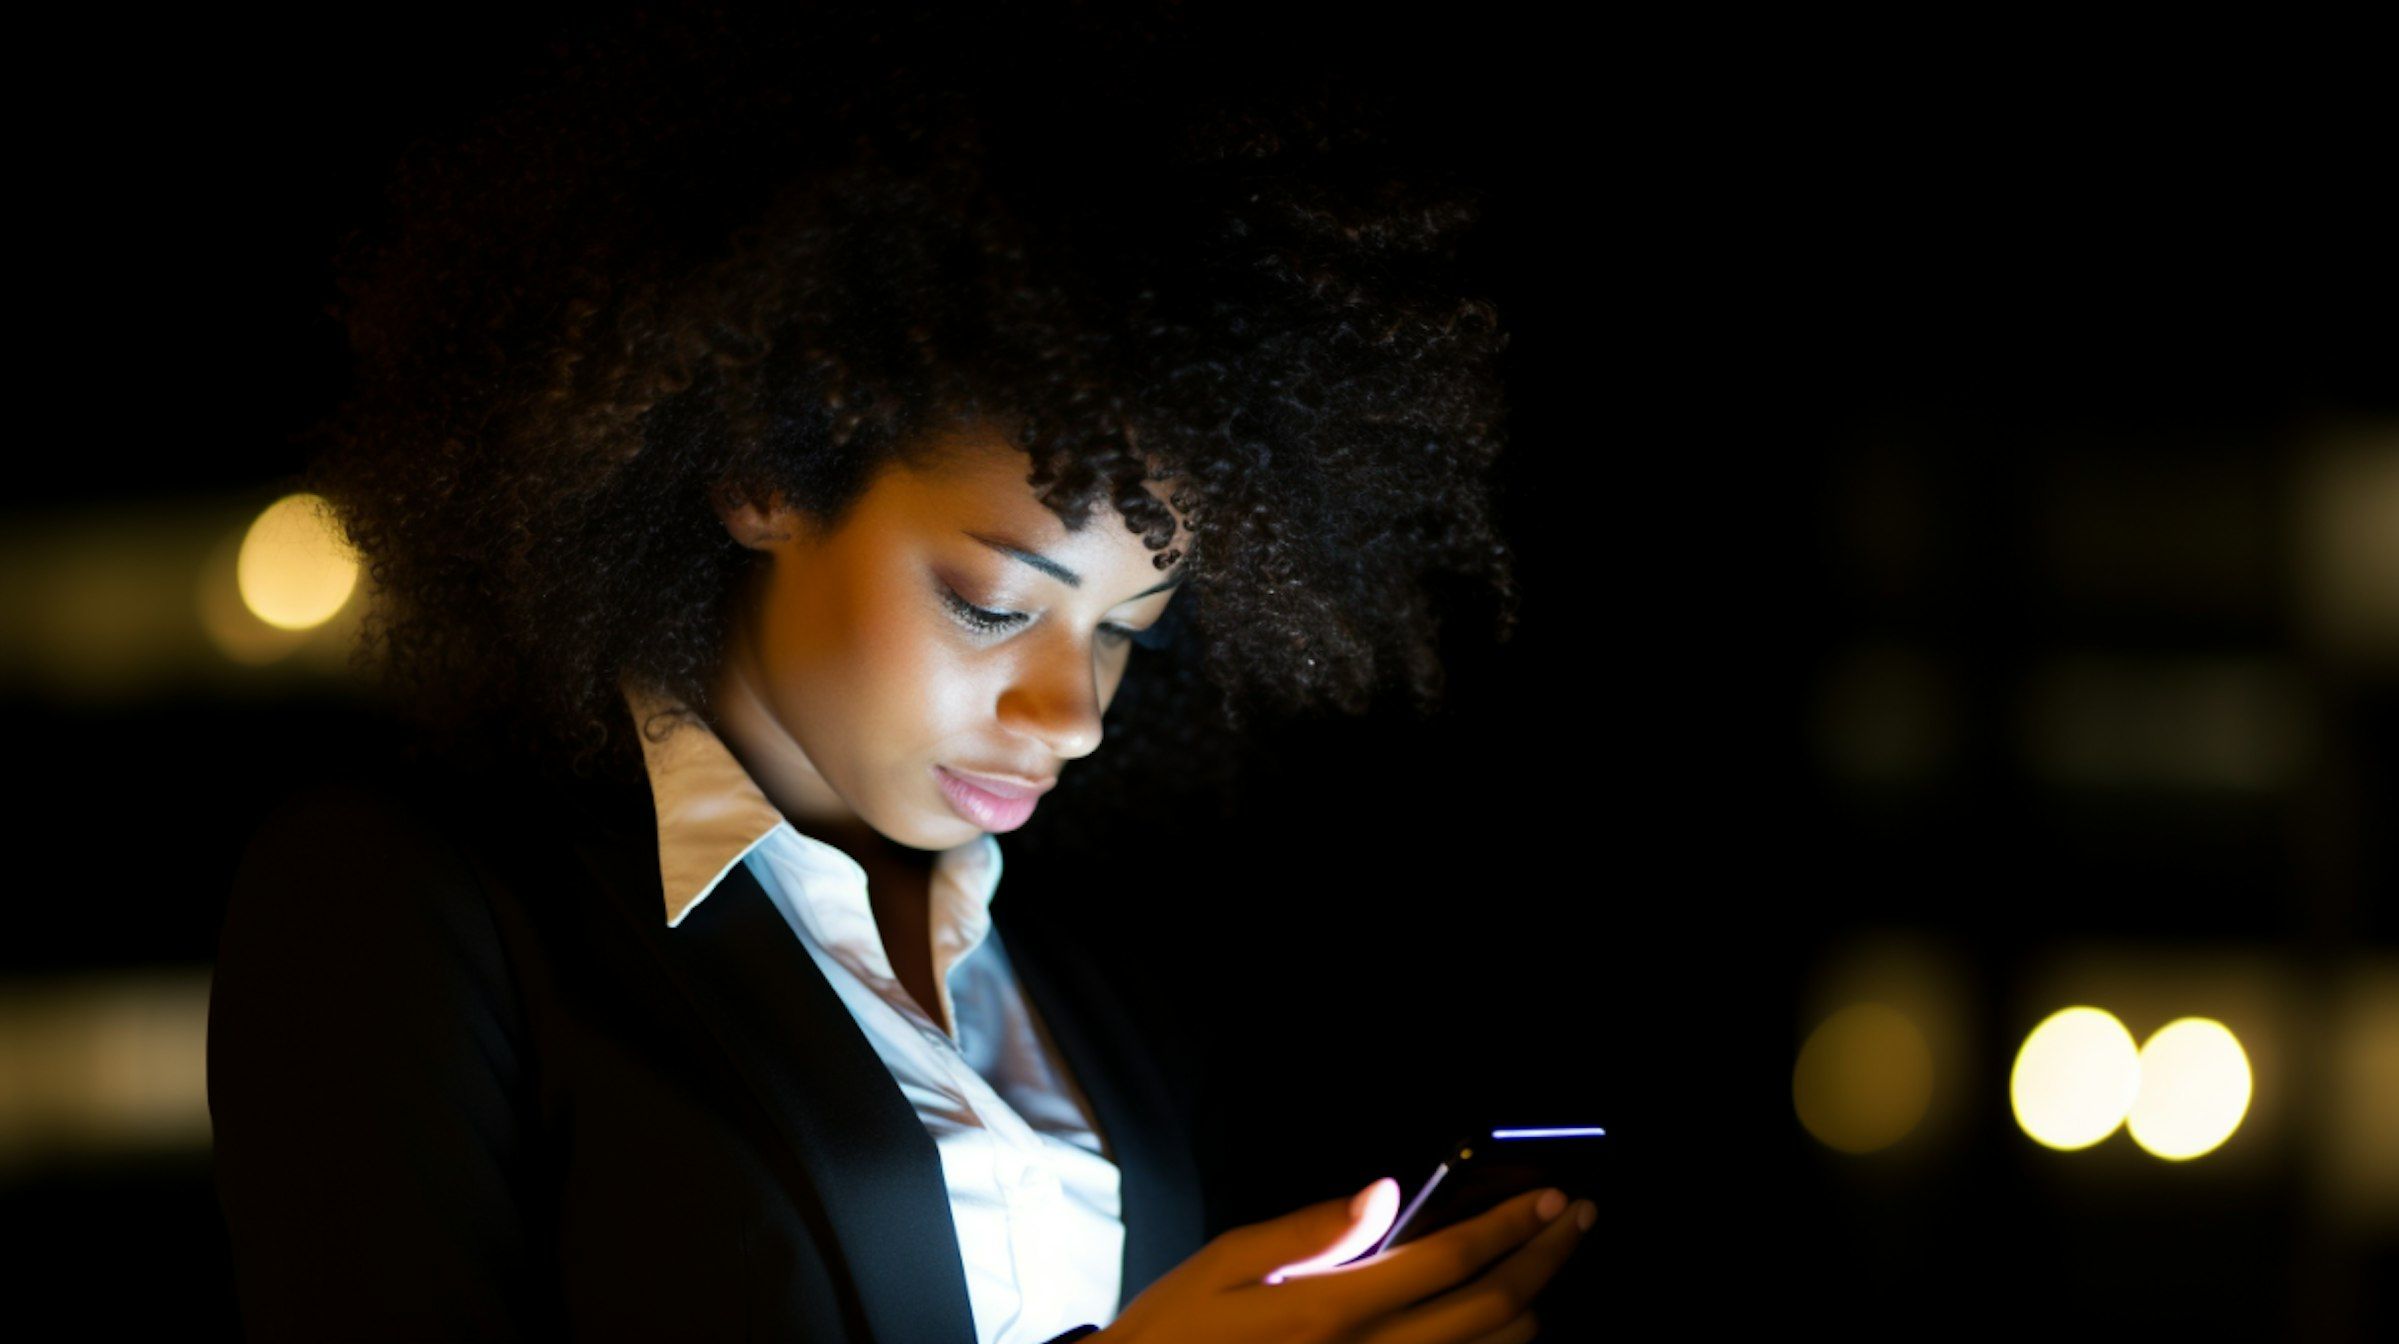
[(294, 570), (2075, 1078), (1863, 1079), (2194, 1089)]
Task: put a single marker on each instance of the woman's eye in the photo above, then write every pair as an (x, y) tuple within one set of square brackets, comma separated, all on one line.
[(992, 622), (976, 618)]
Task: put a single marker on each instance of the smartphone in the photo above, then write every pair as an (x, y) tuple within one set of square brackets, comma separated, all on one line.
[(1492, 1165)]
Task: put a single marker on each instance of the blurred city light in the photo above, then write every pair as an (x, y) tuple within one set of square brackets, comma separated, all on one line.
[(2356, 1171), (2182, 722), (139, 601), (102, 1064), (2075, 1078), (294, 570), (1885, 712), (2183, 527), (1864, 1078), (1884, 1061), (2195, 1088), (2347, 565), (2275, 1016)]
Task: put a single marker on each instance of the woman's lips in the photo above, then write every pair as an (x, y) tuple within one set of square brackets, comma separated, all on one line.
[(981, 802)]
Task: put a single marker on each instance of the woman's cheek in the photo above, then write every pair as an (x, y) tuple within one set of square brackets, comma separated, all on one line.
[(946, 693)]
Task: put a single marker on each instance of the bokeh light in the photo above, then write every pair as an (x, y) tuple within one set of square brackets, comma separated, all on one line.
[(2075, 1079), (1863, 1079), (294, 571), (2195, 1087)]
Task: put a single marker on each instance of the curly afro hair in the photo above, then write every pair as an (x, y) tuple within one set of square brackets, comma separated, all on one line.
[(706, 258)]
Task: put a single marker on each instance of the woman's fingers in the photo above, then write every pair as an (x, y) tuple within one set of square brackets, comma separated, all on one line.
[(1491, 1306), (1377, 1287)]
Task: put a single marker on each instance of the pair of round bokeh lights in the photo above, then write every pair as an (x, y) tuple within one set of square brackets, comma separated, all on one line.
[(2180, 1094)]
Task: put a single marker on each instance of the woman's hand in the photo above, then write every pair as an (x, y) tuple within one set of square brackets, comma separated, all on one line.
[(1259, 1282)]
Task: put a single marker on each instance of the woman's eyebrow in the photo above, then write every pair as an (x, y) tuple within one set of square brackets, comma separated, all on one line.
[(1060, 572)]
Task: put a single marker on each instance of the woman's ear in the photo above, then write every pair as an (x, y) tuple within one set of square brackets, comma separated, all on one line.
[(754, 526)]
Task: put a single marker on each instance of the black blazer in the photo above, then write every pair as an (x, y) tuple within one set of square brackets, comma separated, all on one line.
[(466, 1084)]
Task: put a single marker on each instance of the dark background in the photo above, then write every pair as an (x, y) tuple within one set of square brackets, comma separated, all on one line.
[(1824, 340)]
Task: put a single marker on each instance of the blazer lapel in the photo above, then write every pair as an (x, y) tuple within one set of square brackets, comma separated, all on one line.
[(1161, 1194), (866, 1166)]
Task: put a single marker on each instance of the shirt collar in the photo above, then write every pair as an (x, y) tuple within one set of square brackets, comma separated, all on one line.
[(711, 814)]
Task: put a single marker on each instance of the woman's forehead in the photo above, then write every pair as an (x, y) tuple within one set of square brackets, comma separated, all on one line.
[(983, 476)]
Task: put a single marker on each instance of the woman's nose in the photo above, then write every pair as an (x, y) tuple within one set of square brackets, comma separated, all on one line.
[(1057, 698)]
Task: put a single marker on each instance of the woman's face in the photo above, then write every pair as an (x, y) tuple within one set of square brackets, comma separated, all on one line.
[(858, 688)]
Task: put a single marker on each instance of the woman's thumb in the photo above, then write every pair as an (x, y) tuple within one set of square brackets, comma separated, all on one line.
[(1352, 1227), (1366, 1197)]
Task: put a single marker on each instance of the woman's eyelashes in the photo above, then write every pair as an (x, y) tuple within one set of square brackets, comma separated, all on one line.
[(984, 622)]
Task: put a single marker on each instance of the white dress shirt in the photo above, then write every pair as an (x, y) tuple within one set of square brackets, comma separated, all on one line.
[(1033, 1195)]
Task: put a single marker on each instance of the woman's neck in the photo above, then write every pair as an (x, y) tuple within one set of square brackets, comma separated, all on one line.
[(739, 715)]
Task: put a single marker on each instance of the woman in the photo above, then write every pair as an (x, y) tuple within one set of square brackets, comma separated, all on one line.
[(751, 560)]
